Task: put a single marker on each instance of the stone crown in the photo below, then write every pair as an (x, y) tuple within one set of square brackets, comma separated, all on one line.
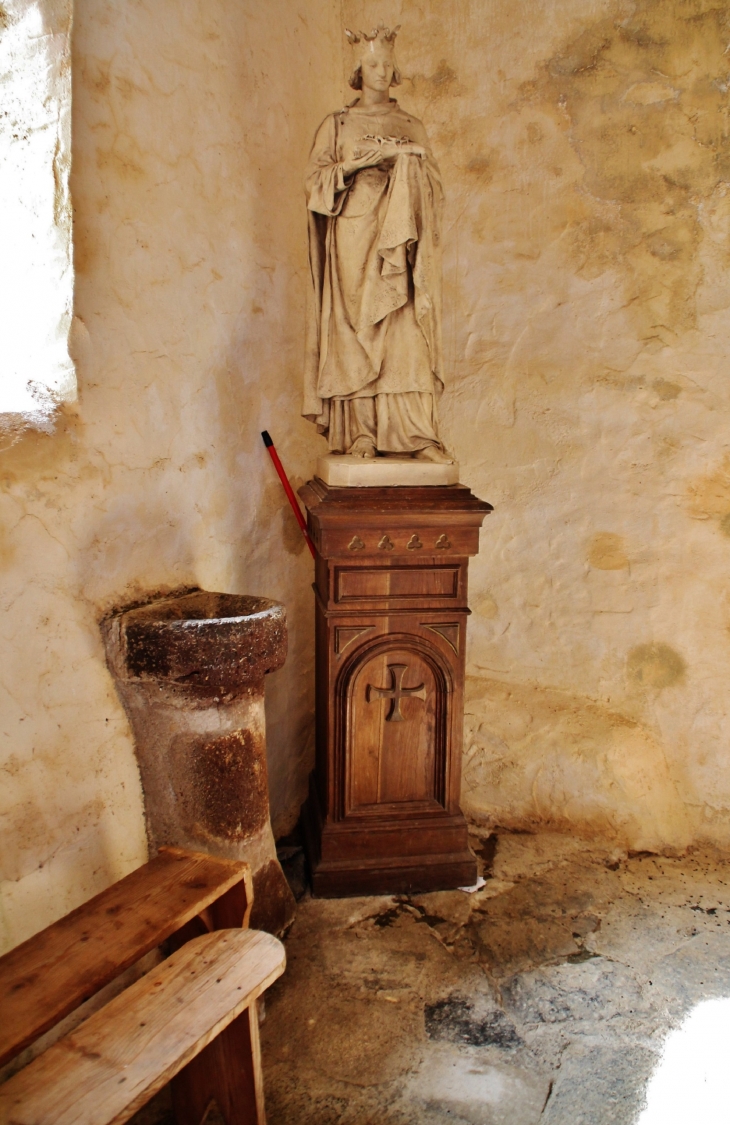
[(379, 32)]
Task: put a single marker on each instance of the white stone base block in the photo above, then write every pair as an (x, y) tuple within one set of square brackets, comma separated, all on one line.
[(343, 471)]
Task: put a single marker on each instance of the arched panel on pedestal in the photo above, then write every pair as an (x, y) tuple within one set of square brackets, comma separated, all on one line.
[(394, 712)]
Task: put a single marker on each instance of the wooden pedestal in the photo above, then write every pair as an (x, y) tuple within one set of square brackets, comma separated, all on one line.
[(391, 607)]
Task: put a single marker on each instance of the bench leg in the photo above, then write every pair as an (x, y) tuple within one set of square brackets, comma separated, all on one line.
[(227, 1071)]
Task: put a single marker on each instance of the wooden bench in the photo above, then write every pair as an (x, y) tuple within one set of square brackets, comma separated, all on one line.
[(191, 1019)]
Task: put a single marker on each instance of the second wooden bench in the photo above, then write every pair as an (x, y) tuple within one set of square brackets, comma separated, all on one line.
[(191, 1019)]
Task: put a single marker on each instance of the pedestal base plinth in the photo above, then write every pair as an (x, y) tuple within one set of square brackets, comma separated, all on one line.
[(390, 858), (391, 583), (344, 471)]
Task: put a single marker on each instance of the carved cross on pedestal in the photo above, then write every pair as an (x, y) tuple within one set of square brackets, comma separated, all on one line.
[(395, 692)]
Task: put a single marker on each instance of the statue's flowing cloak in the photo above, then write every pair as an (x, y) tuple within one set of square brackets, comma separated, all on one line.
[(374, 252)]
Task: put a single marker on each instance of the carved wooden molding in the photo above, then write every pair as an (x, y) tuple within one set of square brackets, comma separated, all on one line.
[(449, 631)]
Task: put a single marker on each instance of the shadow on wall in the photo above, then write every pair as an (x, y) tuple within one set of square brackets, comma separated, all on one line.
[(85, 856), (536, 756)]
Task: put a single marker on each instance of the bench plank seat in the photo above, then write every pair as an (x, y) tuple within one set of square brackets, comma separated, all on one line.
[(111, 1065), (52, 973)]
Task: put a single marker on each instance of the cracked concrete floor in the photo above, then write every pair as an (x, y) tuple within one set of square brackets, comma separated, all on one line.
[(545, 997)]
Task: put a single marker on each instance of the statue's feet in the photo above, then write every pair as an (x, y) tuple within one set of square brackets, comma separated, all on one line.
[(433, 453), (362, 447)]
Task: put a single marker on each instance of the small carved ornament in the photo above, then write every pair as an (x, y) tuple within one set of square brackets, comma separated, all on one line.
[(395, 692), (447, 630), (356, 544), (443, 543), (381, 31), (346, 634), (414, 543), (386, 544)]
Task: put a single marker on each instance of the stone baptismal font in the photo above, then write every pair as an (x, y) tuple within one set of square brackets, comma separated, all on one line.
[(190, 673), (392, 527)]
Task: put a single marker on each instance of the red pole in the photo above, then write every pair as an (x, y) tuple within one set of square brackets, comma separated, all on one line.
[(287, 488)]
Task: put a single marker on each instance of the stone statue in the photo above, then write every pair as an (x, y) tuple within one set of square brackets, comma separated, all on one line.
[(374, 197)]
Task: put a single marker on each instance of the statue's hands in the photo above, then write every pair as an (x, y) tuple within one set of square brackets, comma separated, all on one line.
[(376, 150), (362, 158), (390, 150)]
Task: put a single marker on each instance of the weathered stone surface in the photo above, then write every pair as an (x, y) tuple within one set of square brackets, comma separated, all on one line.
[(221, 784), (273, 906), (603, 1084), (215, 643), (456, 1019), (470, 1088), (445, 1033), (190, 672)]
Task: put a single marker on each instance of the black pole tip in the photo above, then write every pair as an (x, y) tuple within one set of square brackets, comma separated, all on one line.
[(267, 438)]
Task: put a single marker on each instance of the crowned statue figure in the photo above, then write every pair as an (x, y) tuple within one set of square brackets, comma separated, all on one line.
[(374, 365)]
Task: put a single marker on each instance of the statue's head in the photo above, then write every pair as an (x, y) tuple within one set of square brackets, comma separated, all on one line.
[(375, 66)]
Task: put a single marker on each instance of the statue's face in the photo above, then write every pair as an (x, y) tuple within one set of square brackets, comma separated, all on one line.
[(377, 65)]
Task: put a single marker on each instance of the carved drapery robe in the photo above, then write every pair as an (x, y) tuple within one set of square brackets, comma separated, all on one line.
[(373, 360)]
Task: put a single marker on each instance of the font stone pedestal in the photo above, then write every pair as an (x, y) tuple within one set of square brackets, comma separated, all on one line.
[(190, 672)]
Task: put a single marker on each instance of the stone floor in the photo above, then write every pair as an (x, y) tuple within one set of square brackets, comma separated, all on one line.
[(544, 997)]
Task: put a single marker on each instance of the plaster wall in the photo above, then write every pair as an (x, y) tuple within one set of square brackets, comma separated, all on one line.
[(191, 126), (584, 151)]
